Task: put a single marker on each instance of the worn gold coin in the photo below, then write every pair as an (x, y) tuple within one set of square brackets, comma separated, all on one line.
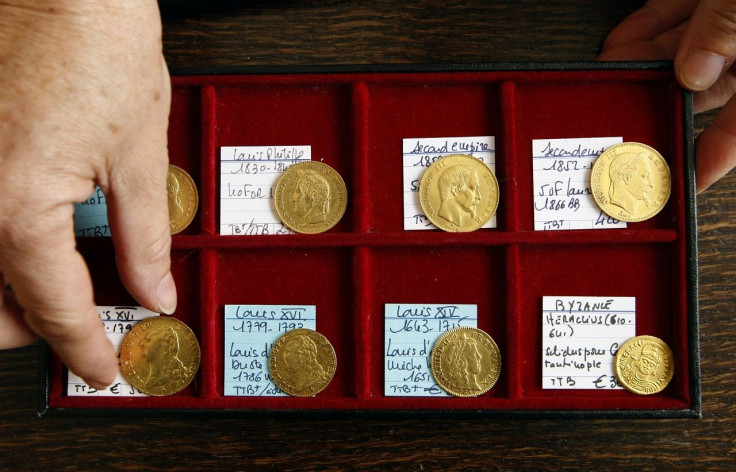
[(183, 199), (159, 356), (458, 193), (302, 362), (465, 362), (644, 365), (630, 182), (310, 197)]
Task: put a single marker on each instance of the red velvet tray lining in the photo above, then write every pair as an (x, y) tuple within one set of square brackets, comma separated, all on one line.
[(355, 123)]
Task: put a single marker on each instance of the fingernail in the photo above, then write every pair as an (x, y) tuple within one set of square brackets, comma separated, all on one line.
[(97, 385), (701, 70), (166, 294)]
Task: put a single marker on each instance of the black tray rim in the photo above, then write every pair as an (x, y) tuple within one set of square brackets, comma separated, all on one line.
[(694, 368)]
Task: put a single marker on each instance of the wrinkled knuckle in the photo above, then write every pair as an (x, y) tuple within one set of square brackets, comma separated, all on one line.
[(160, 249), (725, 88), (133, 179), (13, 199), (721, 19), (57, 328), (22, 231), (20, 235), (156, 251)]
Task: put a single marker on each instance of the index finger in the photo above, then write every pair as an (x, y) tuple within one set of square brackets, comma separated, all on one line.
[(51, 282)]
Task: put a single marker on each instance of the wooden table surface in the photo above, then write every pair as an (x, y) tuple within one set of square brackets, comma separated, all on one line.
[(354, 32)]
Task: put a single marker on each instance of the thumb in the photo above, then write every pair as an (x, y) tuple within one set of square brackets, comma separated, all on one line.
[(137, 199), (138, 212), (708, 46)]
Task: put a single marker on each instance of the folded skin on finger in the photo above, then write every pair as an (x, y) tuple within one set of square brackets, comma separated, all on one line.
[(718, 94)]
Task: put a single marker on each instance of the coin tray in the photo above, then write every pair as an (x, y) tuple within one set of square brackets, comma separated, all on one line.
[(355, 121)]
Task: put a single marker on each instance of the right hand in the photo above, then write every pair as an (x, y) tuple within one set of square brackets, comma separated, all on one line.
[(85, 101), (701, 38)]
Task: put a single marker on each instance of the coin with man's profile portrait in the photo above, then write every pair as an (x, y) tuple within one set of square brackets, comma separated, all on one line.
[(159, 356), (302, 362), (458, 193), (310, 197), (183, 199), (630, 182), (465, 362)]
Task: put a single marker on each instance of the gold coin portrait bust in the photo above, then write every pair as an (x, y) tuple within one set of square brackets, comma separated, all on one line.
[(183, 199), (160, 356), (310, 197), (458, 193), (630, 182), (644, 365), (302, 362), (465, 362)]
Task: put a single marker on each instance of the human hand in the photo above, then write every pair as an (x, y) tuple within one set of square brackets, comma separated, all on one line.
[(85, 100), (701, 38)]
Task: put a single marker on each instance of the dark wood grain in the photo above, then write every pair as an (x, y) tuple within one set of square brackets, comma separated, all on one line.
[(354, 32)]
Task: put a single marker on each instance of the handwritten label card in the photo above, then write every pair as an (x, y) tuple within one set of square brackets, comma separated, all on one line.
[(90, 216), (410, 332), (248, 175), (250, 331), (420, 153), (118, 321), (562, 195), (580, 338)]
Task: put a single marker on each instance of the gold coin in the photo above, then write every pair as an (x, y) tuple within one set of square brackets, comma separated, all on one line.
[(159, 356), (302, 362), (630, 182), (644, 365), (458, 193), (310, 197), (465, 362), (183, 199)]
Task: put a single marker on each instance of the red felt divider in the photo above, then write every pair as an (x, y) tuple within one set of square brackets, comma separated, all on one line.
[(355, 122)]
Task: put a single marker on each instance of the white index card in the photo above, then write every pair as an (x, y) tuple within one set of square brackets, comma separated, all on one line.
[(118, 321), (248, 175), (562, 195), (250, 331), (410, 333), (580, 337), (90, 216), (420, 153)]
